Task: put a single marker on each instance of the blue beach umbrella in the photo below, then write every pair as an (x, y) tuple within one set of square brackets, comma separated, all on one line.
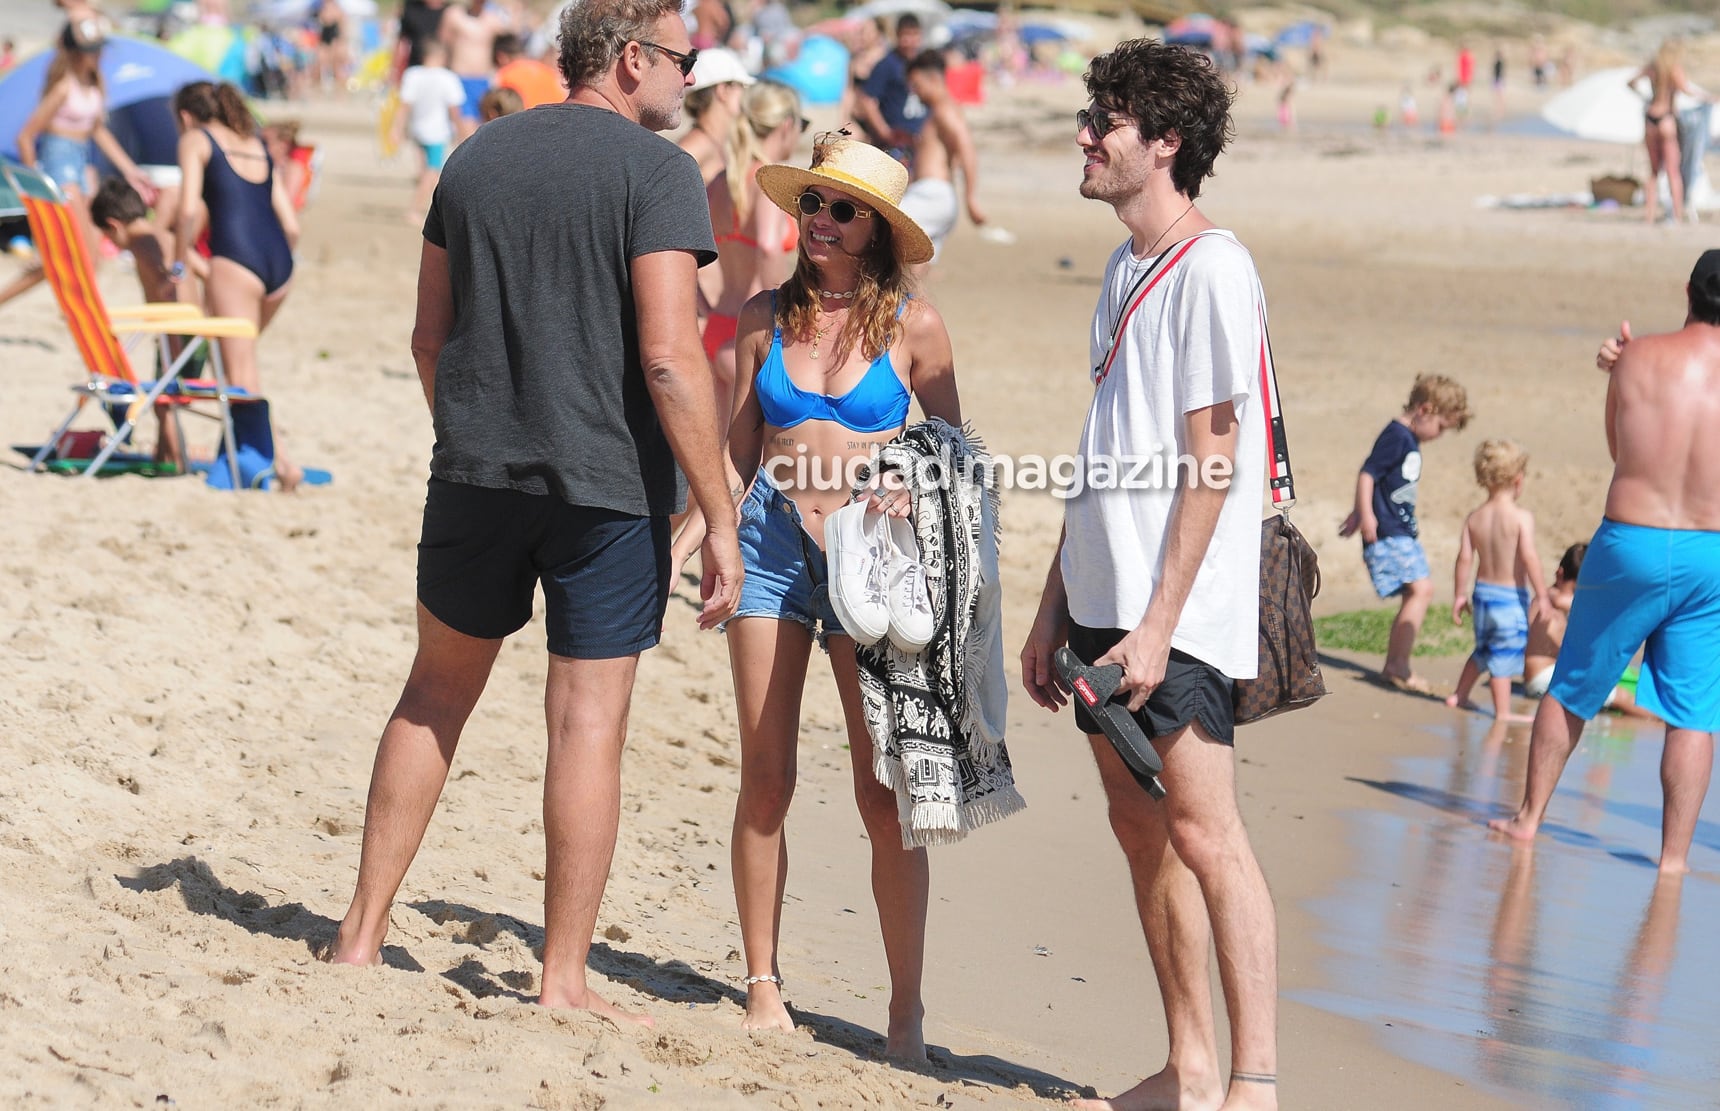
[(135, 71), (1300, 34)]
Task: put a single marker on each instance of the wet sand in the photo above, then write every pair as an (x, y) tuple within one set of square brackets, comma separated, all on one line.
[(196, 682)]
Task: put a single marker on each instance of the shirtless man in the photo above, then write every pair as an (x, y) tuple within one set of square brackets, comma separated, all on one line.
[(941, 148), (1652, 572), (470, 35)]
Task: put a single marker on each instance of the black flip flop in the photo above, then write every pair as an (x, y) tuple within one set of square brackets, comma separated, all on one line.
[(1096, 687)]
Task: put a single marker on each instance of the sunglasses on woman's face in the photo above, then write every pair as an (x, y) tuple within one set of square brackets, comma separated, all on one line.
[(843, 211), (1097, 120), (684, 62)]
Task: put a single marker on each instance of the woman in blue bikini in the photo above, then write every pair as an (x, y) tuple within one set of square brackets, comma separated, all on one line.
[(230, 189), (826, 368)]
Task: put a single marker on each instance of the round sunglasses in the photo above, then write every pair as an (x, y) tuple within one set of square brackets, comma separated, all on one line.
[(842, 210)]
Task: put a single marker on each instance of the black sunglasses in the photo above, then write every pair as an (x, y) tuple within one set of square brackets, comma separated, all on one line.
[(684, 61), (842, 210), (1097, 120)]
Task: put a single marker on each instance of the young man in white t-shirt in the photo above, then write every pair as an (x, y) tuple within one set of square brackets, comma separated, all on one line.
[(1159, 566), (431, 97)]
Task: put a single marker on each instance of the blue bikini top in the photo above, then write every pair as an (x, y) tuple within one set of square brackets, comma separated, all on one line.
[(877, 403)]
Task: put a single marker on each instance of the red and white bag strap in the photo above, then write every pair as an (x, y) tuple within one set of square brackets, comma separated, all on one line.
[(1138, 294), (1279, 478)]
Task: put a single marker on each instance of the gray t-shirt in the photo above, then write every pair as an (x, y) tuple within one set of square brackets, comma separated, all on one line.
[(539, 387)]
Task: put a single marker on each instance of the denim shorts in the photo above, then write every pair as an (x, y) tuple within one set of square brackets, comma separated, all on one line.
[(605, 574), (1394, 562), (65, 160), (786, 576)]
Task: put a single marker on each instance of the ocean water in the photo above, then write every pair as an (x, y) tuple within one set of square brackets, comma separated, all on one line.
[(1563, 973)]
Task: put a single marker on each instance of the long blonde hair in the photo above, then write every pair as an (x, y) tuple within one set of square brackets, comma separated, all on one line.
[(765, 106), (1667, 60), (874, 324)]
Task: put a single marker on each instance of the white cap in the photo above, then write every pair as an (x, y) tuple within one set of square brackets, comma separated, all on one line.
[(719, 66)]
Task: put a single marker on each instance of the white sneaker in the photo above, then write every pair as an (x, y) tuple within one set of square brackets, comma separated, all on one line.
[(854, 543), (911, 621)]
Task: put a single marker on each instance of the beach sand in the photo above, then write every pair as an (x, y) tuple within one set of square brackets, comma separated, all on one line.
[(195, 680)]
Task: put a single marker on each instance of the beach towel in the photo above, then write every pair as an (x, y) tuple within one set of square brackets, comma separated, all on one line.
[(936, 718)]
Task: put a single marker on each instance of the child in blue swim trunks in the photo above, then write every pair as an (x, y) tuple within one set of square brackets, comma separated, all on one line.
[(1385, 515), (1498, 545)]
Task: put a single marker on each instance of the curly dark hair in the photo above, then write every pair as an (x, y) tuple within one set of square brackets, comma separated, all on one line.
[(1165, 89)]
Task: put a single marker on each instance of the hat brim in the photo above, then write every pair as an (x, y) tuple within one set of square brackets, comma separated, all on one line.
[(784, 185), (741, 79)]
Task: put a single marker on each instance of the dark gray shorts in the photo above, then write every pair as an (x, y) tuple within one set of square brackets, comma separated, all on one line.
[(605, 574), (1192, 691)]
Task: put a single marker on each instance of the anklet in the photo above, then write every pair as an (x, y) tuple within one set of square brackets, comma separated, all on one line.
[(751, 980), (1255, 1077)]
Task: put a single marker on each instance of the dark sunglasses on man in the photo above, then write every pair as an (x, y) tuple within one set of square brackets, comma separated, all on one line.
[(842, 210), (685, 62), (1101, 122)]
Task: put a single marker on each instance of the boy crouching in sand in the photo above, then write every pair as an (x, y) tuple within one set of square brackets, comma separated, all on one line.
[(120, 214), (1499, 545), (1385, 515), (1547, 634)]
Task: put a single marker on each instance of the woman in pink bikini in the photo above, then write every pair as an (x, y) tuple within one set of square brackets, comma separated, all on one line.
[(829, 363), (58, 136), (755, 241)]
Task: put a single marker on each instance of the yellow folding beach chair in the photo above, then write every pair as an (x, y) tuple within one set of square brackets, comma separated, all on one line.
[(96, 330)]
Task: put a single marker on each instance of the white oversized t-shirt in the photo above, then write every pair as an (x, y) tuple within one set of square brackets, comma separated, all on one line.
[(428, 93), (1196, 341)]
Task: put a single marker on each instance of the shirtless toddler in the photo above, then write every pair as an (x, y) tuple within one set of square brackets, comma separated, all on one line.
[(1499, 544)]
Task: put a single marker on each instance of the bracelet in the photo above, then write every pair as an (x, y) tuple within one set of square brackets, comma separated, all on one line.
[(176, 273)]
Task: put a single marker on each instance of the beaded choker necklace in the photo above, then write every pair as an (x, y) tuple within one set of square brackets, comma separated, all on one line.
[(849, 296)]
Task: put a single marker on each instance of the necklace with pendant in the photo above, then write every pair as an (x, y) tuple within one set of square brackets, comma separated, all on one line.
[(818, 337)]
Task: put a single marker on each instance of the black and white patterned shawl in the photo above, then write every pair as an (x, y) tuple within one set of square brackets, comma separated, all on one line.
[(937, 718)]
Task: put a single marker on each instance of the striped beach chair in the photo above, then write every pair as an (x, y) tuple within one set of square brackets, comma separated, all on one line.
[(96, 332)]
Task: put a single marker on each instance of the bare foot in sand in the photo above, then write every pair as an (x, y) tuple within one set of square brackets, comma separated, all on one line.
[(589, 1000), (1457, 703), (346, 950), (905, 1041), (1163, 1091), (765, 1008), (1516, 827), (1407, 683)]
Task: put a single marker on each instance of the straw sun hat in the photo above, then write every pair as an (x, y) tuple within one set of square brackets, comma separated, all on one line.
[(861, 171)]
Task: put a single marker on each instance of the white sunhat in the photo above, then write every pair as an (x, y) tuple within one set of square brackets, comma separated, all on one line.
[(719, 66)]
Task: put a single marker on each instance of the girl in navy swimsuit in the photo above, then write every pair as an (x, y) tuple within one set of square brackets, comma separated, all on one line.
[(230, 189), (826, 368)]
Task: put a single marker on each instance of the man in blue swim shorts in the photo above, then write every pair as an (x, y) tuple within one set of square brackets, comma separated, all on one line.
[(1651, 578)]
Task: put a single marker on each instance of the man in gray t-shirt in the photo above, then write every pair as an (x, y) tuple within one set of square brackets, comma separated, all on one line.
[(559, 352)]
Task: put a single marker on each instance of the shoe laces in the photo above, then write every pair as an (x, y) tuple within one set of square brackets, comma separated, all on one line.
[(914, 587)]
